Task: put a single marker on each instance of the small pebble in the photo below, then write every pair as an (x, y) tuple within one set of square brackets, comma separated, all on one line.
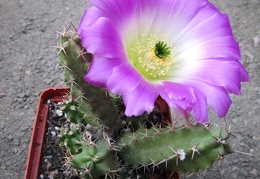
[(15, 150), (53, 133), (60, 103), (21, 95), (243, 172), (48, 157), (256, 41), (2, 125), (41, 176), (9, 137), (59, 112), (16, 142), (3, 166)]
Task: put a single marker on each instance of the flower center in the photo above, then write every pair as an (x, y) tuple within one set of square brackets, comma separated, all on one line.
[(151, 56), (162, 50)]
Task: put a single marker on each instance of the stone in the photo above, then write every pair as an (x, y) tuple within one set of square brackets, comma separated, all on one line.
[(15, 142)]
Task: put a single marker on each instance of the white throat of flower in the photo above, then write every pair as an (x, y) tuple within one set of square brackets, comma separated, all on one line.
[(151, 56)]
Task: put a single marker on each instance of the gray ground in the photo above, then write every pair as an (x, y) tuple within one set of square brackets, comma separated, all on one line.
[(27, 66)]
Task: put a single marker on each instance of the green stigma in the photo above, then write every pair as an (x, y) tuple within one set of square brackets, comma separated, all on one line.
[(161, 49)]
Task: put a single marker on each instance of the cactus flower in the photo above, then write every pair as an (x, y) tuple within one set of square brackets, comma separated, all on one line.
[(181, 50)]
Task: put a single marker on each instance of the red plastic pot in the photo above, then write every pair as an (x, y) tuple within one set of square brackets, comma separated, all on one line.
[(56, 94)]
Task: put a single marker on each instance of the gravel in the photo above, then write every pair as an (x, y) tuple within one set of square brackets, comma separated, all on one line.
[(28, 66)]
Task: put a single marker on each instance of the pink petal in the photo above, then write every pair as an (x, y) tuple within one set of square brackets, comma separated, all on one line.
[(221, 47), (184, 99), (118, 11), (217, 97), (101, 38), (175, 14), (100, 69), (138, 94), (207, 24), (178, 96), (90, 16), (124, 79), (141, 99), (200, 111), (213, 71)]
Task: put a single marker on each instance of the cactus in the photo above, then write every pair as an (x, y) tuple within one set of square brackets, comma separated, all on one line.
[(184, 149), (70, 138), (96, 102), (95, 160), (74, 112), (176, 149)]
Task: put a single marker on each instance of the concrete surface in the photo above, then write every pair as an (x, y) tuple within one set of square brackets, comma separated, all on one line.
[(28, 66)]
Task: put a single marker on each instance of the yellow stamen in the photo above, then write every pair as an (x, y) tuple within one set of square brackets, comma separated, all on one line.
[(142, 56)]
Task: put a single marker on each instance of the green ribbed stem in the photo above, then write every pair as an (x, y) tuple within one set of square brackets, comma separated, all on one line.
[(176, 150), (95, 160), (95, 102)]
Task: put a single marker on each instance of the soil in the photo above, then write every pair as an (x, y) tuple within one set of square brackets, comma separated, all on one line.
[(28, 66), (53, 155)]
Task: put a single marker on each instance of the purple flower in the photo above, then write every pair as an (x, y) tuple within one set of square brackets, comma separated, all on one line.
[(182, 50)]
